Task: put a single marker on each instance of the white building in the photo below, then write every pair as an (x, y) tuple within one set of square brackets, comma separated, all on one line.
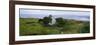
[(53, 21)]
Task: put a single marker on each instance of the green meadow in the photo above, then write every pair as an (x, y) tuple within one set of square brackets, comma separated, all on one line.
[(31, 26)]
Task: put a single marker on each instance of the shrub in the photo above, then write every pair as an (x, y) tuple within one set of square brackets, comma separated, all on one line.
[(86, 28)]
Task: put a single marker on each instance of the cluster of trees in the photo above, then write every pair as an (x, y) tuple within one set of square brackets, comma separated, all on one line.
[(46, 20)]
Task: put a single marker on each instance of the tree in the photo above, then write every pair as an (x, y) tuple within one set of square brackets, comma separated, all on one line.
[(60, 22)]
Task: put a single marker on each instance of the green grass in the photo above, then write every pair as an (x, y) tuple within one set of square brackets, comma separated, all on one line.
[(30, 26)]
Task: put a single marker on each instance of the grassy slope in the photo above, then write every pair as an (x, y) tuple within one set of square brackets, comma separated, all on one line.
[(30, 26)]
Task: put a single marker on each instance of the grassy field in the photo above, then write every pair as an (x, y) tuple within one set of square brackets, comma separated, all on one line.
[(31, 26)]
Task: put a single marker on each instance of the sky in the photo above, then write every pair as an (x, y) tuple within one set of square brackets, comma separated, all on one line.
[(40, 13)]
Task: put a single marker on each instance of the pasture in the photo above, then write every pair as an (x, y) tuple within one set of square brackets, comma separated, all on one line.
[(31, 26)]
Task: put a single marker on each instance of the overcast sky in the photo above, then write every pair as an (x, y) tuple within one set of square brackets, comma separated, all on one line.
[(40, 13), (53, 12)]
